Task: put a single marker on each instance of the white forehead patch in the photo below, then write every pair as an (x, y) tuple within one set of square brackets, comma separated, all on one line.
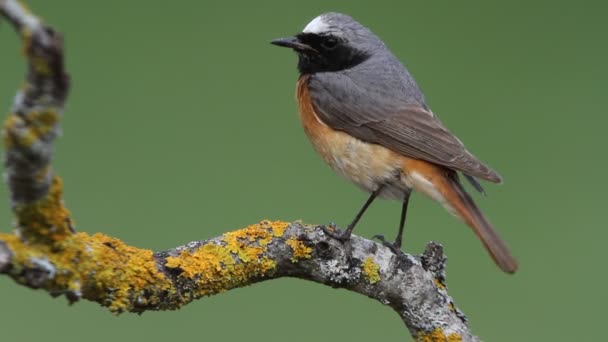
[(317, 25)]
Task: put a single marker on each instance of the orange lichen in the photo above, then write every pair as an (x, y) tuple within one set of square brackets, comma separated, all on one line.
[(438, 335), (299, 248), (45, 219), (370, 270)]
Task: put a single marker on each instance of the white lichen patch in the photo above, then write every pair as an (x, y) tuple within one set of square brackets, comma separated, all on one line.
[(339, 272)]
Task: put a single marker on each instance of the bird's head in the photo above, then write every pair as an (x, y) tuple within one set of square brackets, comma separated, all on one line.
[(332, 42)]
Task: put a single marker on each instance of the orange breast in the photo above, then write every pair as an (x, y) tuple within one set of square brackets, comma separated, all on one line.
[(367, 165)]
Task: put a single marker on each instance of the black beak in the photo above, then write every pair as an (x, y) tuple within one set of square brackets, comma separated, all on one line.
[(294, 43)]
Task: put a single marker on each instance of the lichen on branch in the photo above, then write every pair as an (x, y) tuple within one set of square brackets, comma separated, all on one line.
[(45, 252), (31, 128), (124, 278)]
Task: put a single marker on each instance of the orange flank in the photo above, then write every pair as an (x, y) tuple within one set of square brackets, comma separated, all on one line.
[(365, 164)]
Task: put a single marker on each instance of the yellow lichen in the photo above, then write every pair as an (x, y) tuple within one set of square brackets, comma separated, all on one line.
[(208, 259), (41, 175), (99, 267), (41, 65), (26, 37), (278, 227), (249, 243), (299, 248), (48, 117), (25, 8), (331, 228), (103, 268), (439, 284), (370, 270), (9, 123), (27, 139), (239, 258), (438, 335), (124, 278), (40, 123), (29, 128), (45, 219), (246, 242)]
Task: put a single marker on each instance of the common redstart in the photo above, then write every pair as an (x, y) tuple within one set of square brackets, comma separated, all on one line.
[(365, 115)]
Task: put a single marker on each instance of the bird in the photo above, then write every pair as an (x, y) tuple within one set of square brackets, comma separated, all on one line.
[(365, 115)]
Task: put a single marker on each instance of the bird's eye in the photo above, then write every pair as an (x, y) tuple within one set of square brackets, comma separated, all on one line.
[(329, 43)]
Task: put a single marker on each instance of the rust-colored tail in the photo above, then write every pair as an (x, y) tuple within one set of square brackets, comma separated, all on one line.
[(466, 209), (442, 185)]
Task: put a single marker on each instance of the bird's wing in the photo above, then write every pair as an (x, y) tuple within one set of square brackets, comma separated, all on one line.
[(375, 116)]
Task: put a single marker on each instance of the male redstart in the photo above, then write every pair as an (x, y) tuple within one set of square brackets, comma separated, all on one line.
[(367, 118)]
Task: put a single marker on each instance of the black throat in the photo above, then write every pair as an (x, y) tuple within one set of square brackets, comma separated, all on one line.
[(336, 57)]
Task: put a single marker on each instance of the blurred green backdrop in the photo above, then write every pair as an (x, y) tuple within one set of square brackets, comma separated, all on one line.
[(182, 124)]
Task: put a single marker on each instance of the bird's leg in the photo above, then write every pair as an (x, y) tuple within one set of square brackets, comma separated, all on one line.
[(399, 237), (346, 234), (396, 246)]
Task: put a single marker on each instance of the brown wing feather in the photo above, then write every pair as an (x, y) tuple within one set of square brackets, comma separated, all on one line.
[(418, 133), (407, 128)]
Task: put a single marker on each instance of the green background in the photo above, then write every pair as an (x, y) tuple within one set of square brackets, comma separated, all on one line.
[(182, 124)]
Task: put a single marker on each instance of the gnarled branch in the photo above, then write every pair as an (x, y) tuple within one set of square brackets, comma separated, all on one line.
[(45, 252)]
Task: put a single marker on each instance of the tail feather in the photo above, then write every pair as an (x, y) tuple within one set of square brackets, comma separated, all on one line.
[(442, 185), (464, 206)]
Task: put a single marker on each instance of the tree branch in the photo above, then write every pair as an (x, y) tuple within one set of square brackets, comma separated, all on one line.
[(46, 253)]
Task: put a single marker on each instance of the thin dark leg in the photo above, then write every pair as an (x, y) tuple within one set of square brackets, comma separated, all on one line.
[(369, 201), (346, 235), (399, 237)]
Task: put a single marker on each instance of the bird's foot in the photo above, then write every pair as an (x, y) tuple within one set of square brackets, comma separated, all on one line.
[(393, 246), (332, 230)]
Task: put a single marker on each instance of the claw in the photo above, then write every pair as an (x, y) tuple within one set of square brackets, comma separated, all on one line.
[(393, 246), (333, 231), (379, 237)]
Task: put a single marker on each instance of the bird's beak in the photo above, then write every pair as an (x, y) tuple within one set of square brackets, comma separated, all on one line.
[(294, 43)]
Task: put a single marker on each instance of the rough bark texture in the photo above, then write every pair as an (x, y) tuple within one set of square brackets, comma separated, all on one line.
[(46, 253)]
